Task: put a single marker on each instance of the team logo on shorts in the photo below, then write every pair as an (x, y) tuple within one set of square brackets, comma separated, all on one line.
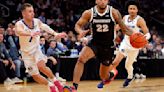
[(30, 68)]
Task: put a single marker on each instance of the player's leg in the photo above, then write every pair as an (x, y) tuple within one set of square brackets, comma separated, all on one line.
[(131, 58), (44, 69), (86, 54), (117, 60), (41, 59), (32, 69), (106, 75), (105, 72)]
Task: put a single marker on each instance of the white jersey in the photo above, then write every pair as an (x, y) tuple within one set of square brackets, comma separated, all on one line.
[(27, 43), (132, 24)]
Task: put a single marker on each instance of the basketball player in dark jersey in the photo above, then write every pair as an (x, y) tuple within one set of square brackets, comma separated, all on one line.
[(102, 18)]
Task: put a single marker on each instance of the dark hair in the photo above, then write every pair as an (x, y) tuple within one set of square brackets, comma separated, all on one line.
[(25, 5), (132, 2), (42, 37)]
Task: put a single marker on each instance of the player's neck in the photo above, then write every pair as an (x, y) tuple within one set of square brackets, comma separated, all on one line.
[(131, 17), (29, 23), (101, 10)]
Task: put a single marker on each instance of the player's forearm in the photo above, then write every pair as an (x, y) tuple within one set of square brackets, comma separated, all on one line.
[(46, 28), (78, 29), (127, 30), (23, 33)]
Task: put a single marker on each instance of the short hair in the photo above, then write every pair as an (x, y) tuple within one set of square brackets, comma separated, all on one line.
[(25, 5), (42, 36), (52, 40), (132, 2)]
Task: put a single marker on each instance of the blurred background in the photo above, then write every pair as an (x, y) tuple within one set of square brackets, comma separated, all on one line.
[(61, 15)]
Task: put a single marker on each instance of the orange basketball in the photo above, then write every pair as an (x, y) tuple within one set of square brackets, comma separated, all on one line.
[(138, 40)]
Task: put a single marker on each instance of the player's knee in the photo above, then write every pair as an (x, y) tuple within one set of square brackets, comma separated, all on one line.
[(41, 67), (128, 66), (115, 64)]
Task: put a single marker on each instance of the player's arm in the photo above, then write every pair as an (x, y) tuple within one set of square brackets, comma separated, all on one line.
[(117, 27), (142, 24), (46, 28), (84, 19), (118, 18), (19, 30)]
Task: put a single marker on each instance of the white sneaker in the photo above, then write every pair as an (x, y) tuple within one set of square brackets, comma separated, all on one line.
[(17, 80), (8, 81), (142, 76), (137, 76), (61, 79)]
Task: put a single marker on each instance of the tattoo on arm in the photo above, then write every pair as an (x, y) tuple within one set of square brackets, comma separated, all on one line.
[(122, 25)]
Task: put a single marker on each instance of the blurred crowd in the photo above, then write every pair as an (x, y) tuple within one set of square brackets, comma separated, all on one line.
[(61, 15)]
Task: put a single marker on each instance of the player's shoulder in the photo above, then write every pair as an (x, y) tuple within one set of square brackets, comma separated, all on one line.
[(36, 19), (87, 12), (114, 10), (140, 18), (19, 22)]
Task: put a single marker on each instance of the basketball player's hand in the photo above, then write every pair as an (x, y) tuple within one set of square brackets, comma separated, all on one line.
[(61, 35), (83, 33)]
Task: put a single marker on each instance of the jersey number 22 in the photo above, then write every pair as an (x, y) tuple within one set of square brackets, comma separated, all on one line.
[(102, 28)]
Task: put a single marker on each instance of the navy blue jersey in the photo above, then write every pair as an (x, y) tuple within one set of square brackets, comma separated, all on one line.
[(102, 26)]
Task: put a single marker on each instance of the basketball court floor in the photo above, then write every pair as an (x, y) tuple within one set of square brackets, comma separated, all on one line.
[(148, 85)]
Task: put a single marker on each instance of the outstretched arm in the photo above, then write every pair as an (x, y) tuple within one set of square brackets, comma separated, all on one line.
[(118, 18), (46, 28)]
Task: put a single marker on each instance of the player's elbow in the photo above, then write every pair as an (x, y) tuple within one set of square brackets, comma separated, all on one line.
[(76, 27)]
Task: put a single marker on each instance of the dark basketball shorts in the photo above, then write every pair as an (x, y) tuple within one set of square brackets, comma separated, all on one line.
[(104, 54)]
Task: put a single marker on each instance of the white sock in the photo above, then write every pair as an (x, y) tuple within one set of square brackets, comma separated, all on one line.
[(50, 83), (57, 74), (53, 80)]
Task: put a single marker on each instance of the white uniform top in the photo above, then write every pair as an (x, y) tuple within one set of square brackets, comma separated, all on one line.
[(132, 24), (25, 44)]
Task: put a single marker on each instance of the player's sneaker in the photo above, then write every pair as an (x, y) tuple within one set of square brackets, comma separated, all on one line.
[(59, 85), (142, 76), (127, 82), (61, 79), (69, 89), (53, 89), (113, 74)]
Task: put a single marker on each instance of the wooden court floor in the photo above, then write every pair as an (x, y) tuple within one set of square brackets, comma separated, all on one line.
[(148, 85)]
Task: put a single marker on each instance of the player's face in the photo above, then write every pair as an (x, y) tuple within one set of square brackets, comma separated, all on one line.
[(102, 3), (28, 13), (132, 10)]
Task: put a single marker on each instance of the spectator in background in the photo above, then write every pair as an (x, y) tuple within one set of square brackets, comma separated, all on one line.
[(61, 46), (7, 67), (42, 17), (12, 43), (44, 51), (2, 30), (54, 51)]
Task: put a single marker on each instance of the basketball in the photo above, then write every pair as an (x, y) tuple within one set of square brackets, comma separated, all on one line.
[(137, 40)]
